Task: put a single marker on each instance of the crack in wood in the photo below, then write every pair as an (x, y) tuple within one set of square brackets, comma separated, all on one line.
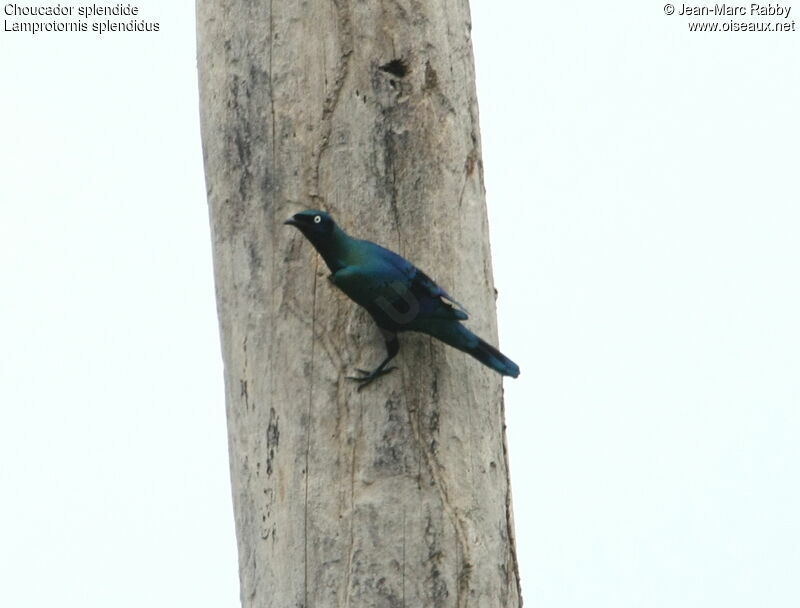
[(271, 90), (459, 526), (308, 431), (351, 549), (345, 38), (403, 587)]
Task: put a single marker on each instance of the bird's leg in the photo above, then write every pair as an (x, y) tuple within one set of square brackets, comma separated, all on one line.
[(392, 347)]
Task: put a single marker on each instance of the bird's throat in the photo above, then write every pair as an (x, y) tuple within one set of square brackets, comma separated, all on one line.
[(332, 248)]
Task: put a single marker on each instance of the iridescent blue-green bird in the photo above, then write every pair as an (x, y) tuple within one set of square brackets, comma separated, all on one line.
[(397, 294)]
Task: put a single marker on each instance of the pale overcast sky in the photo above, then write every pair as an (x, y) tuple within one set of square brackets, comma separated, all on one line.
[(642, 183)]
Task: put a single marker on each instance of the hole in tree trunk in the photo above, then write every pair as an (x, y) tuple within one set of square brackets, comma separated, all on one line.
[(396, 67)]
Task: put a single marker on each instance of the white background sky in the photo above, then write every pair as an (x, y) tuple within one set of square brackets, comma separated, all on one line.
[(642, 184)]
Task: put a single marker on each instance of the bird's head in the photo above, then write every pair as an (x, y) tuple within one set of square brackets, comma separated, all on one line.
[(314, 224)]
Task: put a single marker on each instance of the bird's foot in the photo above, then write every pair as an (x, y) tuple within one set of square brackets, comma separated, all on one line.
[(367, 377)]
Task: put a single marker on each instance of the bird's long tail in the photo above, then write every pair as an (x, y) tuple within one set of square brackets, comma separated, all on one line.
[(458, 336)]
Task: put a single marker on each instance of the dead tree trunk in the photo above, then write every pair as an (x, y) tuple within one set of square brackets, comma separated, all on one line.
[(397, 495)]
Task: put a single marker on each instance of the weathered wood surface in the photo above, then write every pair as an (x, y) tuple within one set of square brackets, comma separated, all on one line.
[(397, 495)]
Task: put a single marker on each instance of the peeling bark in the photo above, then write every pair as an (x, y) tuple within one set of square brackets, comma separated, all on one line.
[(397, 495)]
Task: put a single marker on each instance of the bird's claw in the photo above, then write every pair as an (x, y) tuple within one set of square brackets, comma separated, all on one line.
[(367, 377)]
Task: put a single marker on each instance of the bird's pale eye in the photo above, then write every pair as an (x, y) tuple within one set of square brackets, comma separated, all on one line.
[(317, 219)]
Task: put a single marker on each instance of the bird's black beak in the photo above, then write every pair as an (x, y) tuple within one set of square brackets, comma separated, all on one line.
[(291, 222)]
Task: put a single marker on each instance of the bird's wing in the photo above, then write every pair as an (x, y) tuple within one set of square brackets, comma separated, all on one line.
[(424, 283), (420, 284)]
